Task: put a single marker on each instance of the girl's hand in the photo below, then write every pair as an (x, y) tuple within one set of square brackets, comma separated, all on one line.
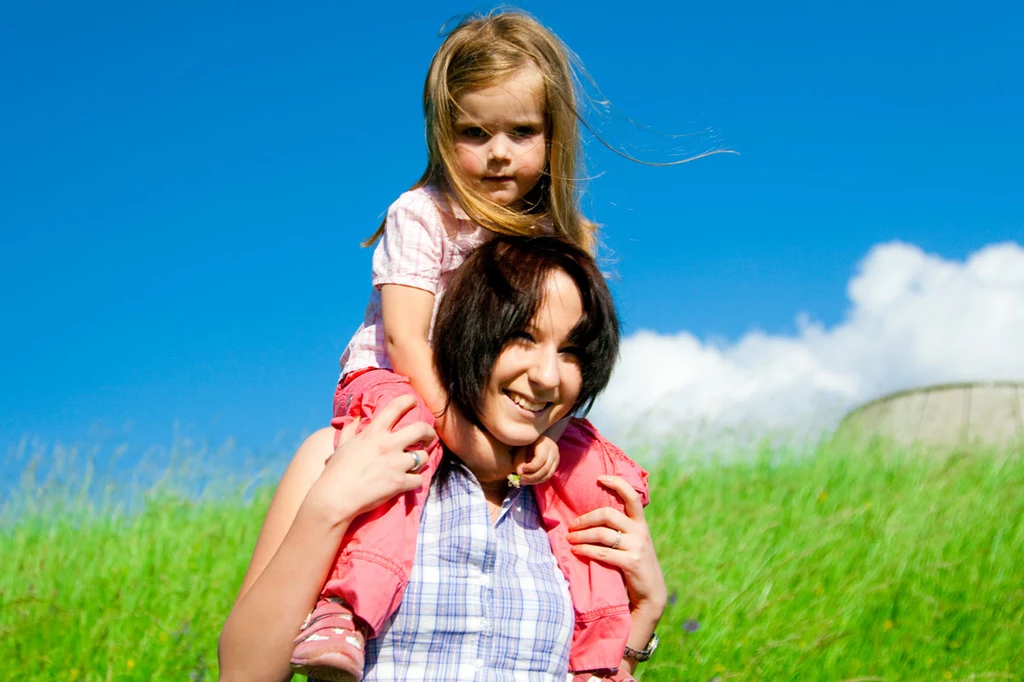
[(536, 463), (622, 540), (372, 466)]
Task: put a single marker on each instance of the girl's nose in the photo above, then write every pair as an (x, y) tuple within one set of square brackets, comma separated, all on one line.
[(498, 150)]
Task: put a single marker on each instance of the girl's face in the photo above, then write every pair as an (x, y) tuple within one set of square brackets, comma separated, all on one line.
[(536, 379), (500, 137)]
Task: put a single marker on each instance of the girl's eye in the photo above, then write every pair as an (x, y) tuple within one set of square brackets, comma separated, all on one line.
[(574, 351), (524, 131), (474, 133)]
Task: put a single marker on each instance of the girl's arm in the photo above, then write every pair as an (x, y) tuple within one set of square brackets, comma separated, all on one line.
[(624, 541), (308, 516), (407, 312), (537, 463)]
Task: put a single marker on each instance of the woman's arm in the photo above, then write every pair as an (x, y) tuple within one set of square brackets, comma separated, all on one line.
[(624, 541), (308, 516)]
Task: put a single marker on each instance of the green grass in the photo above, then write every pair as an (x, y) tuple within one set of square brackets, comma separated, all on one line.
[(102, 597), (841, 566)]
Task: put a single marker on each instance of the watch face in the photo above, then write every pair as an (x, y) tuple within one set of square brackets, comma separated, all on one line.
[(652, 645)]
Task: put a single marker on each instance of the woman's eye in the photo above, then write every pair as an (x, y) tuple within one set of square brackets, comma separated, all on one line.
[(574, 351), (522, 337)]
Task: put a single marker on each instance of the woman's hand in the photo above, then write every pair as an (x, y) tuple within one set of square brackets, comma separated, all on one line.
[(623, 540), (372, 466)]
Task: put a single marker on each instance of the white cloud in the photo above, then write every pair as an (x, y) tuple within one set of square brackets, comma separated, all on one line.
[(914, 319)]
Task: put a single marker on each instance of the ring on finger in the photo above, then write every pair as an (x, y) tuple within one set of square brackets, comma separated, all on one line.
[(415, 461), (618, 539)]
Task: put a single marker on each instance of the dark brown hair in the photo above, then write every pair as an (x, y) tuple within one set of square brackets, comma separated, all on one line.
[(494, 296)]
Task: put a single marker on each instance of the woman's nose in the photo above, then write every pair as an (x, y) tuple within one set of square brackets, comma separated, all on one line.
[(544, 369)]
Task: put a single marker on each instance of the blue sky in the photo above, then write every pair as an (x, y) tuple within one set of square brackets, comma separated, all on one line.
[(183, 186)]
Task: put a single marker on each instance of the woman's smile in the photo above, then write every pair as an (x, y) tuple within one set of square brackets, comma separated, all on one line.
[(531, 407)]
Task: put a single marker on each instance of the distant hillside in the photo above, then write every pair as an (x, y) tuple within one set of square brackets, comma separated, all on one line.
[(952, 415)]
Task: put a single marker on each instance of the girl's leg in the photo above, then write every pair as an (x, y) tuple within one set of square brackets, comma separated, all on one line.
[(372, 567)]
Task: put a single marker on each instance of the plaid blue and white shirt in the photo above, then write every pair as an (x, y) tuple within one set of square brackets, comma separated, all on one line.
[(485, 602)]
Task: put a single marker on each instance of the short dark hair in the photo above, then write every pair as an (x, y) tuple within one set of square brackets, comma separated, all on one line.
[(495, 294)]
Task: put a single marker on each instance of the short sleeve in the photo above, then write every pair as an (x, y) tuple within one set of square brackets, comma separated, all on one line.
[(411, 249), (582, 443)]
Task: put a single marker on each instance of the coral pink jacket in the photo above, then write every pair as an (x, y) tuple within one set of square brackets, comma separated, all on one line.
[(598, 590)]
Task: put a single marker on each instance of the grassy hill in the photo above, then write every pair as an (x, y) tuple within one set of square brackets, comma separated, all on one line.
[(841, 565)]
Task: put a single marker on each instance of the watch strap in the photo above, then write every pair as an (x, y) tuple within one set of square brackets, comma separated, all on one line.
[(641, 655)]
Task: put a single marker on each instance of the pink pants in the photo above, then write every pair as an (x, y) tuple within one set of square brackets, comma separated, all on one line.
[(375, 561)]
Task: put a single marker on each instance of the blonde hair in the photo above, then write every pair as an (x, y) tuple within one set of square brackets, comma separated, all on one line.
[(487, 50)]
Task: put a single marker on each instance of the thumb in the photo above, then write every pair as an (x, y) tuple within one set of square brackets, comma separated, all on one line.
[(520, 457)]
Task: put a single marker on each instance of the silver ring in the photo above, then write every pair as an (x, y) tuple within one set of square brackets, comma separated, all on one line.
[(618, 539), (415, 461)]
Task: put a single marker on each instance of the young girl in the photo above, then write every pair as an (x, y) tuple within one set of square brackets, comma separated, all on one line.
[(502, 137)]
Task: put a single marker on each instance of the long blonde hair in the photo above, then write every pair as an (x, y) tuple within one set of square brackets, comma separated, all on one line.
[(486, 50)]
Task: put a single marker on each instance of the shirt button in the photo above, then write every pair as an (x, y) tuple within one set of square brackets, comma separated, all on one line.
[(478, 663)]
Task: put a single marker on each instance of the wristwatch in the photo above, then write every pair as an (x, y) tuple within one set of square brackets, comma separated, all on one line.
[(641, 656)]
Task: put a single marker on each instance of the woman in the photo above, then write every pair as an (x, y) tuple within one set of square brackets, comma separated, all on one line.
[(486, 590)]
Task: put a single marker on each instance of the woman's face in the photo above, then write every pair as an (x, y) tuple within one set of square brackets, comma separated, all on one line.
[(536, 378)]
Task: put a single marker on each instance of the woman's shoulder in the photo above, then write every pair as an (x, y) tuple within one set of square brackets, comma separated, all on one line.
[(317, 446), (584, 444), (308, 462), (581, 433)]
